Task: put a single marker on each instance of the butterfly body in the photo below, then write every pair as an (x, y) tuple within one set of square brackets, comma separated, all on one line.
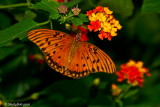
[(69, 55)]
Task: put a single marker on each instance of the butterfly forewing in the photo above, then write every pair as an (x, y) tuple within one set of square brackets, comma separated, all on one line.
[(54, 44)]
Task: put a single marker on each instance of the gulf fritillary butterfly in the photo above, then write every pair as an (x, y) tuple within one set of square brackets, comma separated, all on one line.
[(69, 55)]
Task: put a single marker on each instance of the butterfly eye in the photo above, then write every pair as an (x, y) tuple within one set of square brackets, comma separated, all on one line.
[(60, 37), (90, 49), (88, 46), (64, 36)]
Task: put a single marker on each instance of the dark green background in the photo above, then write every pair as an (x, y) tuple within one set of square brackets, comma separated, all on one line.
[(28, 81)]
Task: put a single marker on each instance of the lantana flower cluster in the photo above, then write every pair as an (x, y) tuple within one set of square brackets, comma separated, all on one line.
[(63, 9), (133, 72), (101, 19)]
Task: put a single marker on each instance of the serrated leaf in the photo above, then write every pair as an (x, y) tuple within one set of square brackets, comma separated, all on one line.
[(72, 3), (83, 18), (151, 6), (50, 6), (18, 30), (123, 7), (131, 93), (76, 21)]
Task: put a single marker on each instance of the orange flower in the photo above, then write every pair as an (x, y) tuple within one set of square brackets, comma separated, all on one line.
[(94, 26), (133, 72), (115, 90), (89, 13), (108, 24)]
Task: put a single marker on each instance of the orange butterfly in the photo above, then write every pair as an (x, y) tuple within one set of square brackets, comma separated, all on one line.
[(70, 56)]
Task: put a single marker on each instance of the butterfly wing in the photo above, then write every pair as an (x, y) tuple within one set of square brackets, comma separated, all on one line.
[(89, 59), (54, 44)]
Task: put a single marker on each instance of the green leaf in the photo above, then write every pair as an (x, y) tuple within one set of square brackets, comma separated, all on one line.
[(5, 21), (6, 51), (55, 16), (18, 30), (131, 93), (147, 27), (54, 100), (69, 88), (73, 102), (151, 6), (156, 62), (123, 7), (30, 14), (46, 5), (72, 3), (102, 101), (76, 21), (119, 102), (83, 18)]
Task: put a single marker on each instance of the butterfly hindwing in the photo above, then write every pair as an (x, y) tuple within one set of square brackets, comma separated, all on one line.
[(90, 59)]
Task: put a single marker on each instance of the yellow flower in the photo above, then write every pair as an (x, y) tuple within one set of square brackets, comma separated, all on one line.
[(107, 11), (113, 33), (101, 17), (93, 17)]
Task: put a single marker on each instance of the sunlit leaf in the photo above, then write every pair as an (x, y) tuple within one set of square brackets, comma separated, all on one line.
[(19, 30)]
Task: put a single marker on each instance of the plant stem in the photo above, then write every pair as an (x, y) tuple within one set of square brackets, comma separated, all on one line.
[(13, 5), (29, 4), (44, 23), (51, 25), (125, 91)]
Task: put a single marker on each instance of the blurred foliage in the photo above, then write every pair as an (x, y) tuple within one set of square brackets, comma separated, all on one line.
[(27, 81)]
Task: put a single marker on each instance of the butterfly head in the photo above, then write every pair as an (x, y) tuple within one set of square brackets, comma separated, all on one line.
[(78, 37)]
